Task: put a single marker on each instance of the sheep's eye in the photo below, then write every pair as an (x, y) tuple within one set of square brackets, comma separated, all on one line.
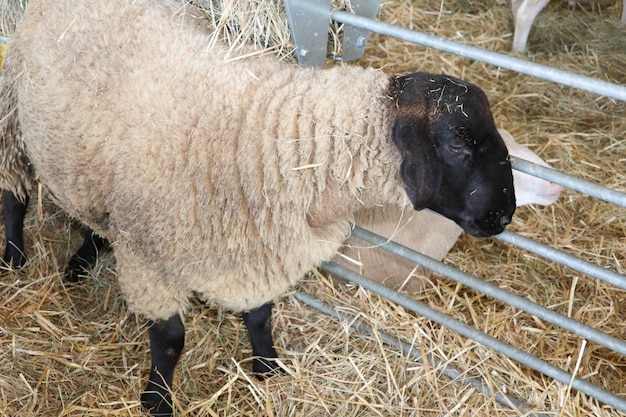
[(456, 149)]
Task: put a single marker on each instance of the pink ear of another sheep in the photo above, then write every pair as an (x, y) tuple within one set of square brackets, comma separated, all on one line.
[(529, 189)]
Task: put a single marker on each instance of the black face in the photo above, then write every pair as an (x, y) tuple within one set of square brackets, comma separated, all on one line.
[(453, 158)]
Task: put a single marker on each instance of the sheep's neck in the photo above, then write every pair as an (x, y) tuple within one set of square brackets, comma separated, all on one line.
[(336, 147)]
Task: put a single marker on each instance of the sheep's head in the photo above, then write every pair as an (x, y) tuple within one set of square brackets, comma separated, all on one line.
[(453, 158)]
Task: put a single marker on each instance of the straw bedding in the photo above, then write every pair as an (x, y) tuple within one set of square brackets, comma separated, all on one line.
[(73, 350)]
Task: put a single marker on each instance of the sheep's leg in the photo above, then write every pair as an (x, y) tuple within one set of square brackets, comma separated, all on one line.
[(86, 256), (524, 14), (14, 212), (167, 339), (259, 325)]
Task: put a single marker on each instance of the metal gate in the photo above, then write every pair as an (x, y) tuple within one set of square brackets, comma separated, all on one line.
[(309, 21)]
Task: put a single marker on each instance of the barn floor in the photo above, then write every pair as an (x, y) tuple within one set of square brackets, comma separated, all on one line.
[(75, 350)]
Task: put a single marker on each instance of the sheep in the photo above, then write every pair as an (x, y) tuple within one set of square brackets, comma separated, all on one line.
[(524, 14), (223, 173), (428, 232), (14, 205)]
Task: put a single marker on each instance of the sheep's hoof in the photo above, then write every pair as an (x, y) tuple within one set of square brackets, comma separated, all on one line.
[(157, 403), (12, 262), (264, 368), (76, 269), (86, 257)]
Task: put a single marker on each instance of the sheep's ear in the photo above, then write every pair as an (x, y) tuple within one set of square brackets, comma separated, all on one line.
[(420, 169)]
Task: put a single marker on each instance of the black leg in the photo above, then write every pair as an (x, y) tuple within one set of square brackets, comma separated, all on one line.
[(14, 212), (259, 325), (86, 256), (167, 339)]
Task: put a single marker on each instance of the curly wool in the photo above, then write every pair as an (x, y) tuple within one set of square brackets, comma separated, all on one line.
[(230, 187), (16, 173)]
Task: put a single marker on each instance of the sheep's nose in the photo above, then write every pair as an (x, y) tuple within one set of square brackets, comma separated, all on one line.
[(505, 220)]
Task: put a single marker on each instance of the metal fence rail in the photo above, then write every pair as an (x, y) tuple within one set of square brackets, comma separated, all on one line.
[(483, 55), (612, 196), (491, 342), (570, 181), (415, 354), (493, 291)]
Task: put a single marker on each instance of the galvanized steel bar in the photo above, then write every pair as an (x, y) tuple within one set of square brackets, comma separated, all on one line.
[(564, 258), (451, 372), (540, 71), (505, 61), (308, 22), (512, 352), (570, 181), (355, 39), (491, 290)]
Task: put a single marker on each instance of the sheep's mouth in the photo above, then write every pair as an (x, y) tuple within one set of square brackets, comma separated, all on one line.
[(486, 229), (492, 224), (479, 232)]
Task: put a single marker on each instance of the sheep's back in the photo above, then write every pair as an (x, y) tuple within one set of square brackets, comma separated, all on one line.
[(77, 93)]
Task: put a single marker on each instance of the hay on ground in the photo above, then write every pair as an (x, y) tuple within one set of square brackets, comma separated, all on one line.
[(74, 350)]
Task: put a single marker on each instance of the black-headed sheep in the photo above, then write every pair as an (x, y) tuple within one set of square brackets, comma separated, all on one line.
[(428, 232), (223, 173)]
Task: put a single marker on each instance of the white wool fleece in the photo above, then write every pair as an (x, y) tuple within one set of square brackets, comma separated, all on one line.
[(210, 173)]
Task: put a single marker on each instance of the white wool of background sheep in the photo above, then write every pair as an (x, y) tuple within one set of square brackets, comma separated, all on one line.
[(524, 14), (428, 232), (16, 166)]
